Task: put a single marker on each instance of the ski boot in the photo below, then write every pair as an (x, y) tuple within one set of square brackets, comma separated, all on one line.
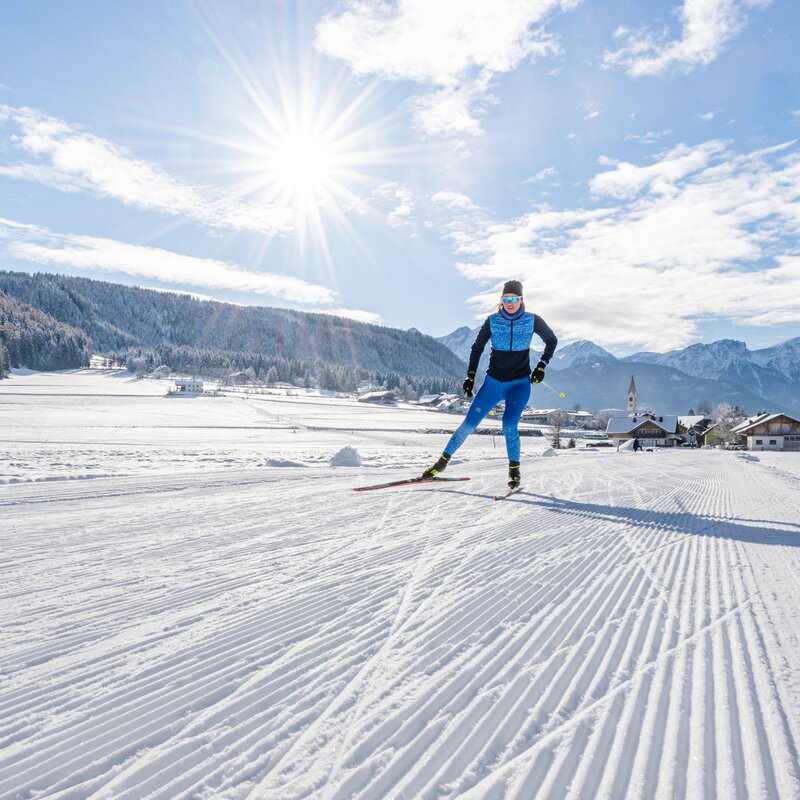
[(514, 478), (438, 467)]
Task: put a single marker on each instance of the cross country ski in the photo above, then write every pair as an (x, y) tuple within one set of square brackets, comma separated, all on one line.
[(508, 494), (406, 482)]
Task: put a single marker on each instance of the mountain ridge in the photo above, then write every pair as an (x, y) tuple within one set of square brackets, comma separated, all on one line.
[(173, 326), (725, 370)]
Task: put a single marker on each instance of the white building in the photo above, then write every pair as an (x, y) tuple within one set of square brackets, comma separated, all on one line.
[(193, 385), (580, 419), (651, 430), (770, 432), (381, 398), (539, 416)]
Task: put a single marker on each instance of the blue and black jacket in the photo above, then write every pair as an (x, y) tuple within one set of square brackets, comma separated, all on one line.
[(511, 336)]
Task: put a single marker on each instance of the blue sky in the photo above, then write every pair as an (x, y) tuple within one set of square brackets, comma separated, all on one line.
[(637, 165)]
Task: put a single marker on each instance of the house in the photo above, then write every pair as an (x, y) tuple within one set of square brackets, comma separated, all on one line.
[(385, 398), (580, 419), (539, 416), (695, 428), (369, 388), (191, 385), (769, 432), (650, 429), (453, 404), (430, 400)]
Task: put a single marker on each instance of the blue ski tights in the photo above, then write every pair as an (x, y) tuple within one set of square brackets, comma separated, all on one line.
[(516, 395)]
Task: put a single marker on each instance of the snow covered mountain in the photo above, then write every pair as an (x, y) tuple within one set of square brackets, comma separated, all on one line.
[(729, 357), (785, 358), (460, 341), (678, 380), (581, 352), (772, 373)]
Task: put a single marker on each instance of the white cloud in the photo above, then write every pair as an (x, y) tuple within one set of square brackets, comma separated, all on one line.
[(626, 180), (704, 233), (649, 137), (546, 174), (591, 109), (354, 313), (402, 200), (452, 200), (708, 116), (71, 160), (452, 48), (41, 246), (706, 27)]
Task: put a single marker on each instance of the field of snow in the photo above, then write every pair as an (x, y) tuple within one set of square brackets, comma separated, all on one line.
[(195, 605)]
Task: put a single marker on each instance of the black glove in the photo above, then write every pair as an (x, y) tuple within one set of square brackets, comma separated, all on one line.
[(537, 376), (469, 384)]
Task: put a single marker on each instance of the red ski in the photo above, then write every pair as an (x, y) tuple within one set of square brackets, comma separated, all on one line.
[(508, 493), (406, 482)]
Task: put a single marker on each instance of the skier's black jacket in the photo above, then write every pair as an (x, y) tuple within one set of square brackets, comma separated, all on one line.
[(511, 336)]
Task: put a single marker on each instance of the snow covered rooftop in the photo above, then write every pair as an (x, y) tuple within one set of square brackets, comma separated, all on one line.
[(760, 420), (691, 421), (627, 424)]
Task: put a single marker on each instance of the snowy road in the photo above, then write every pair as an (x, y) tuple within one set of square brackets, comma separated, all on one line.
[(626, 627)]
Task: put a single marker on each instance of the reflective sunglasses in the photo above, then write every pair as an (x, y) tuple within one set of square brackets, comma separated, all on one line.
[(511, 299)]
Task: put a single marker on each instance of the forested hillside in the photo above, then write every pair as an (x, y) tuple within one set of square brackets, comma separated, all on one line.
[(189, 334), (32, 338)]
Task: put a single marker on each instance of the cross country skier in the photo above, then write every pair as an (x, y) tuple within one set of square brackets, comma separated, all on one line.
[(508, 378)]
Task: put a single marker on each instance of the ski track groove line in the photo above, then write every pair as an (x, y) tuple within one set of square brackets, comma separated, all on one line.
[(554, 645)]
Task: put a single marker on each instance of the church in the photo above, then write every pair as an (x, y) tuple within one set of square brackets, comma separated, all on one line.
[(650, 429)]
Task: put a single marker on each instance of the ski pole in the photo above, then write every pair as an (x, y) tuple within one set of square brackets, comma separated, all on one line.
[(545, 383)]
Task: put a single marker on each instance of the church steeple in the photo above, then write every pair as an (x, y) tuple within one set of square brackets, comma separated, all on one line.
[(632, 399)]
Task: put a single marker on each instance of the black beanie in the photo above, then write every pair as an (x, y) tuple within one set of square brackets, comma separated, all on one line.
[(513, 287)]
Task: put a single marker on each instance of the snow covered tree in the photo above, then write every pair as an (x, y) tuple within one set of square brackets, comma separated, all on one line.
[(5, 362), (559, 417), (725, 417)]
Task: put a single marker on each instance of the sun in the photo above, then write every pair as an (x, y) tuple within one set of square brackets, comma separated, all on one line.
[(302, 167), (303, 136)]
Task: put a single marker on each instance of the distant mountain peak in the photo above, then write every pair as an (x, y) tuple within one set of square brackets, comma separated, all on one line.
[(582, 351)]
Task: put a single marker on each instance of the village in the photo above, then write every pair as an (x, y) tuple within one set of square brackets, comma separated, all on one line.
[(634, 427)]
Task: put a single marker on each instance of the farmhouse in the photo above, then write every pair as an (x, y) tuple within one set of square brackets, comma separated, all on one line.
[(580, 419), (194, 385), (769, 432), (381, 398), (695, 429), (540, 416), (649, 429)]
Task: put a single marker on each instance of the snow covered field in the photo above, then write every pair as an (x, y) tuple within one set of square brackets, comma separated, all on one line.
[(210, 612)]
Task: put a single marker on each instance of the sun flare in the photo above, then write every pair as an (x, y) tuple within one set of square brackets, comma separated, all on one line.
[(302, 168), (311, 142)]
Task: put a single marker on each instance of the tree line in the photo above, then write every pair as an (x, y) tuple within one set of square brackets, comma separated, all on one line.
[(31, 338), (145, 329), (258, 367), (118, 317)]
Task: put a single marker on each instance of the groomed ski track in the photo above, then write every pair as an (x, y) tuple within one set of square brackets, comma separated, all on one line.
[(423, 643), (626, 627)]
